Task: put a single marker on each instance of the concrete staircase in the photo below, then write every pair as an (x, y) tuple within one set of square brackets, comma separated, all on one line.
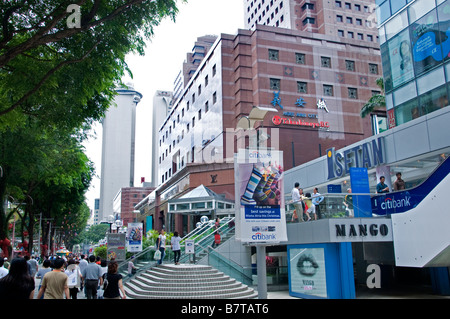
[(186, 281)]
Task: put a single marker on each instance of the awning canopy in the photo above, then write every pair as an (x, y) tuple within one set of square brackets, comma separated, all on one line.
[(201, 200)]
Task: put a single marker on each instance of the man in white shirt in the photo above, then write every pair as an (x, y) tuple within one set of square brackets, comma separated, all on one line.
[(297, 200)]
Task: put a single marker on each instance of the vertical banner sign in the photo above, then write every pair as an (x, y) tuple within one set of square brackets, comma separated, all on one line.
[(189, 247), (260, 211), (134, 237), (359, 181), (116, 247)]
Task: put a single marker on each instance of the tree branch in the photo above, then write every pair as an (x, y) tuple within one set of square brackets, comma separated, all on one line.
[(45, 78)]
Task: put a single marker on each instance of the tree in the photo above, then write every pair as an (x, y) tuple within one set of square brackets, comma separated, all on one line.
[(45, 169), (377, 101), (64, 72)]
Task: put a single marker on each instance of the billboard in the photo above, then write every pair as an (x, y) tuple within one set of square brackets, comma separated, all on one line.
[(116, 247), (134, 237), (260, 211)]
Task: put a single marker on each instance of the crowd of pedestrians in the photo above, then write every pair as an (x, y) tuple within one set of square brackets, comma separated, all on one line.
[(60, 278)]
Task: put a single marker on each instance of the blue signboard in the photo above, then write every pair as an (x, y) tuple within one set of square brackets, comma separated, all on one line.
[(359, 180)]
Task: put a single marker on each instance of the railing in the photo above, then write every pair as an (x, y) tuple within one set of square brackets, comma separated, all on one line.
[(203, 236), (344, 205), (230, 268)]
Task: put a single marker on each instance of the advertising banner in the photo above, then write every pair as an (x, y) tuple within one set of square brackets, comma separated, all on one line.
[(260, 211), (134, 237), (307, 272), (116, 247)]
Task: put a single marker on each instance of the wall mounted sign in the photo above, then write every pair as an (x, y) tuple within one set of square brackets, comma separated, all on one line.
[(278, 120), (366, 155)]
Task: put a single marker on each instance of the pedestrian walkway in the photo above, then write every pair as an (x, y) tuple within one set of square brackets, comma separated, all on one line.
[(361, 293)]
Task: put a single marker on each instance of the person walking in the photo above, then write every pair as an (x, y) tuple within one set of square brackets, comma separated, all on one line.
[(54, 285), (17, 284), (33, 265), (162, 245), (41, 272), (91, 276), (113, 283), (175, 246), (74, 274), (131, 267), (297, 201), (216, 241)]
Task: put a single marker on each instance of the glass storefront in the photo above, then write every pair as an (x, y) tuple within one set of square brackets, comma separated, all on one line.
[(415, 47)]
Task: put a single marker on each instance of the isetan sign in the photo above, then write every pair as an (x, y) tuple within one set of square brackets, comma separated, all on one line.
[(366, 155), (278, 120)]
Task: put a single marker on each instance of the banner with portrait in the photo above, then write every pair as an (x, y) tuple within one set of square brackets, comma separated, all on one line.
[(134, 237)]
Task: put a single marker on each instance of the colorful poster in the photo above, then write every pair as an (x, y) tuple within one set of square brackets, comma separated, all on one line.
[(426, 42), (134, 237), (307, 271), (401, 59), (116, 247), (260, 208)]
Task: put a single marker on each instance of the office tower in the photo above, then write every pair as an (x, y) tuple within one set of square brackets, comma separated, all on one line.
[(118, 148), (343, 18)]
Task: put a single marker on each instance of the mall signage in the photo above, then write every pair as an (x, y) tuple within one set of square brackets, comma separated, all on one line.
[(279, 120), (360, 229), (368, 155)]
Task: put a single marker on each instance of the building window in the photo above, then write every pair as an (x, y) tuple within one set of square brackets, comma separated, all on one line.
[(214, 98), (193, 121), (341, 33), (302, 87), (327, 90), (275, 84), (373, 68), (206, 81), (370, 37), (206, 106), (357, 7), (214, 70), (187, 106), (309, 20), (348, 6), (338, 4), (307, 6), (199, 115), (349, 20), (350, 35), (339, 18), (358, 22), (350, 65), (273, 55), (326, 62), (199, 90), (352, 93), (193, 98), (187, 128), (300, 58), (360, 36)]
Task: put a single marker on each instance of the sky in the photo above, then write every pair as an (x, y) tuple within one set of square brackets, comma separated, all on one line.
[(164, 56)]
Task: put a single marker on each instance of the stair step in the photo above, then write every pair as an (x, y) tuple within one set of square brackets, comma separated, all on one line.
[(186, 281)]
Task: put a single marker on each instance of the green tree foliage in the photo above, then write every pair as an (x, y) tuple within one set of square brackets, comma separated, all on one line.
[(66, 75), (377, 101), (48, 172)]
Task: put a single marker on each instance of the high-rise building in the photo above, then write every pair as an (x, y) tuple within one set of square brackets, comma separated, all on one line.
[(118, 148), (162, 103), (415, 50), (343, 18)]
